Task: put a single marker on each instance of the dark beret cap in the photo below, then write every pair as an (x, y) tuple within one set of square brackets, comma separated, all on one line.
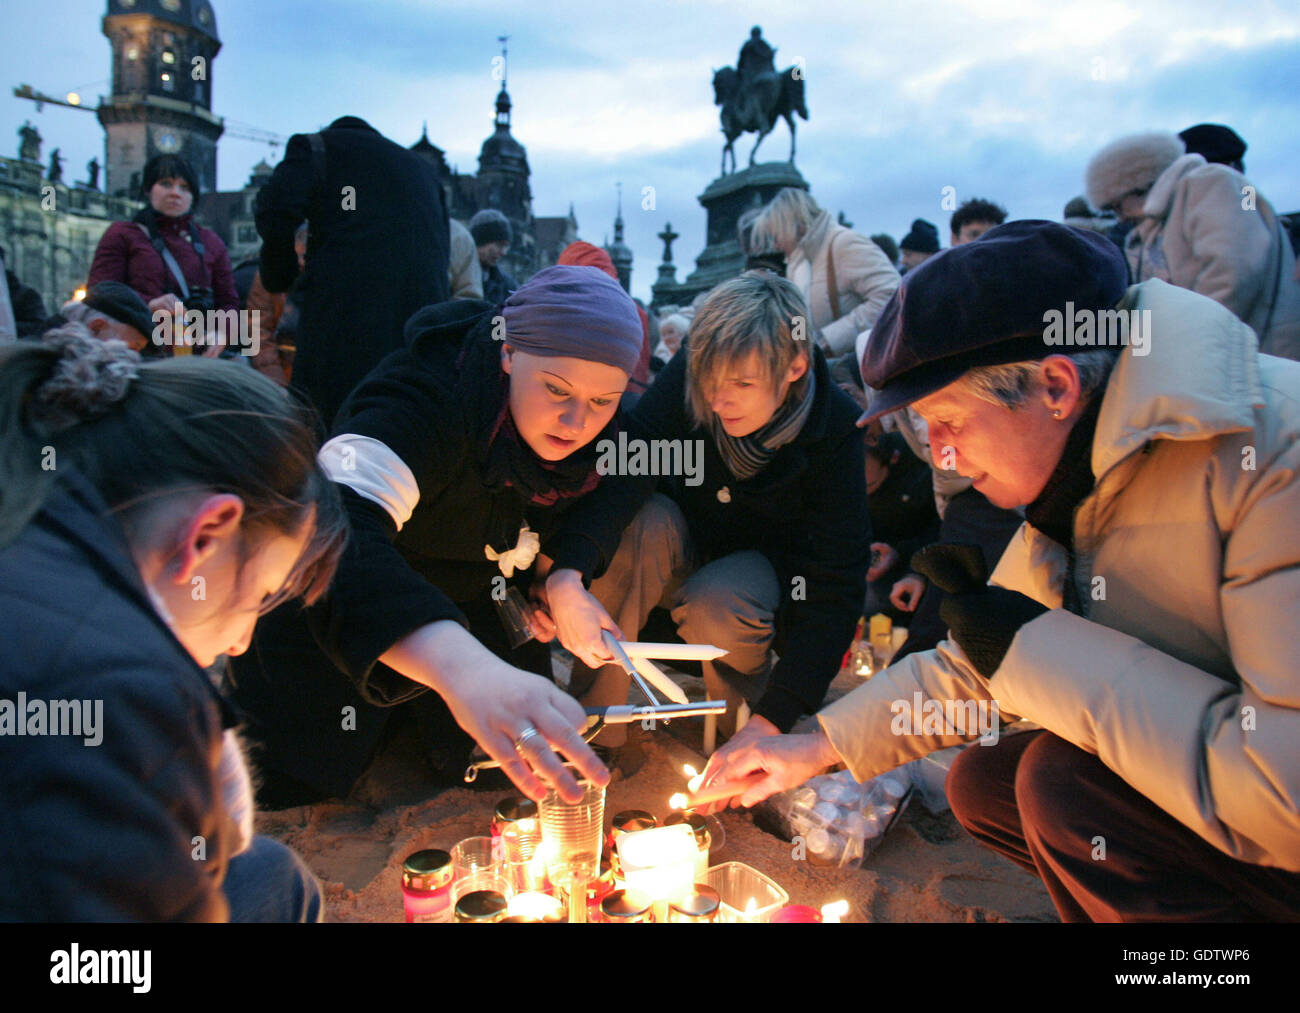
[(984, 304), (1214, 142), (122, 303)]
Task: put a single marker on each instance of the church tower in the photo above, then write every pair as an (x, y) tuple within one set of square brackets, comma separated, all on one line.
[(502, 183), (620, 253), (161, 101)]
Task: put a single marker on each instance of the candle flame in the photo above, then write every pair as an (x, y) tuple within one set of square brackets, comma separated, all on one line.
[(690, 771), (834, 911), (694, 778), (751, 908), (677, 801)]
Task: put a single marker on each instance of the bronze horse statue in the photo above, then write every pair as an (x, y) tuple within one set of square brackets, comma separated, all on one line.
[(772, 97)]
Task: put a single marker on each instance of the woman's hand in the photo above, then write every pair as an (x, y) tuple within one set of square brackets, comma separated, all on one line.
[(579, 618), (756, 728), (539, 615), (884, 556), (498, 704), (784, 760), (906, 594)]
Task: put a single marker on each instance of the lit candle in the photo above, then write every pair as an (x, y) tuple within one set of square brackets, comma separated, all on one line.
[(751, 910), (834, 911), (703, 839), (538, 906), (677, 801), (660, 863)]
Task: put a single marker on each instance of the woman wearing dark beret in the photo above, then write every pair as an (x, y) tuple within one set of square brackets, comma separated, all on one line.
[(1144, 615)]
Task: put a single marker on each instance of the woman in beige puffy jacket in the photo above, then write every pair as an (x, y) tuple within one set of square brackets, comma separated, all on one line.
[(845, 278), (1204, 227), (1144, 617)]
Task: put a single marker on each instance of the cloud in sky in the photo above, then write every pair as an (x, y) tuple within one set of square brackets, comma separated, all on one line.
[(1005, 100)]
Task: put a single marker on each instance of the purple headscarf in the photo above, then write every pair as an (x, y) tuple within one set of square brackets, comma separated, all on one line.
[(579, 312)]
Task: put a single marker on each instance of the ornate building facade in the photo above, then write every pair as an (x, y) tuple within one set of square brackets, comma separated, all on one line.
[(162, 56)]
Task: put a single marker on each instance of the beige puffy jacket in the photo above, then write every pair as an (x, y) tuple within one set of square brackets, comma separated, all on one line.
[(864, 281), (1184, 677), (1207, 229)]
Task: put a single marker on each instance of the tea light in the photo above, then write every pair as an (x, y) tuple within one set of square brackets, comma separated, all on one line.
[(661, 863), (834, 911), (540, 907)]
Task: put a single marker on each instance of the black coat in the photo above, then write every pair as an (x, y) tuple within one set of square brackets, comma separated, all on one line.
[(428, 405), (378, 251), (806, 511), (433, 406), (103, 832)]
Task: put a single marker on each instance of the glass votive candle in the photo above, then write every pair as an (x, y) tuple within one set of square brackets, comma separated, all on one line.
[(624, 906), (481, 907), (426, 886), (797, 914), (517, 831), (701, 905), (537, 907), (478, 867)]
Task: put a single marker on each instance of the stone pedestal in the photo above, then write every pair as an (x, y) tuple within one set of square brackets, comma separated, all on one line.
[(725, 200)]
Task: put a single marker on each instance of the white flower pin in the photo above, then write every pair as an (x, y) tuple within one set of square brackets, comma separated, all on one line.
[(521, 556)]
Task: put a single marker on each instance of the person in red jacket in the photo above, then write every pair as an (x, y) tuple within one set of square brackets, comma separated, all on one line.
[(133, 252)]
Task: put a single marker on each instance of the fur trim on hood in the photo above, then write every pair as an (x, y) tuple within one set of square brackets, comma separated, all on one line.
[(1130, 163)]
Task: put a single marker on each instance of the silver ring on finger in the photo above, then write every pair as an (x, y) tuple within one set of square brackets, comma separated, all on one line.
[(528, 733)]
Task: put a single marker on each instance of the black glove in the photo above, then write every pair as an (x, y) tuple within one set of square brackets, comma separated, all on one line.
[(983, 620)]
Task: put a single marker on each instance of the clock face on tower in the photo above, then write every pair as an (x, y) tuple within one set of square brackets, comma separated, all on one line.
[(168, 143)]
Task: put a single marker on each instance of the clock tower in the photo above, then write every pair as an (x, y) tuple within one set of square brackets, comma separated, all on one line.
[(161, 100)]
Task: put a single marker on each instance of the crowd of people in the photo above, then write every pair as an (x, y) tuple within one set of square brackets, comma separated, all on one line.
[(341, 533)]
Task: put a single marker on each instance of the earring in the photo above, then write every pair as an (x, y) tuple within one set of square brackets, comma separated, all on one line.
[(1056, 413)]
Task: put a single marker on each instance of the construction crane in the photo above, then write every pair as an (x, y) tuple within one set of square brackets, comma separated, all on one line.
[(231, 128)]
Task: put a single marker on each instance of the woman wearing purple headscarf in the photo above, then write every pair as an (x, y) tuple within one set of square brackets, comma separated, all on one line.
[(458, 456)]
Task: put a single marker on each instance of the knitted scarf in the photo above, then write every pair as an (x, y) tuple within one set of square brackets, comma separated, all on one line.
[(746, 456)]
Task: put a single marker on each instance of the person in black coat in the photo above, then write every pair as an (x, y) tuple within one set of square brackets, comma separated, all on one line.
[(131, 558), (492, 236), (378, 251), (900, 497), (762, 532), (458, 458)]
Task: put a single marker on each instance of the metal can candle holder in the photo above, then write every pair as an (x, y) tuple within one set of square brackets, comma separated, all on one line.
[(700, 906), (481, 907), (622, 907)]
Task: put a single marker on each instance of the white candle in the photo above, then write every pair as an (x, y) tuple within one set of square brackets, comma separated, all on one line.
[(660, 862), (674, 652)]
